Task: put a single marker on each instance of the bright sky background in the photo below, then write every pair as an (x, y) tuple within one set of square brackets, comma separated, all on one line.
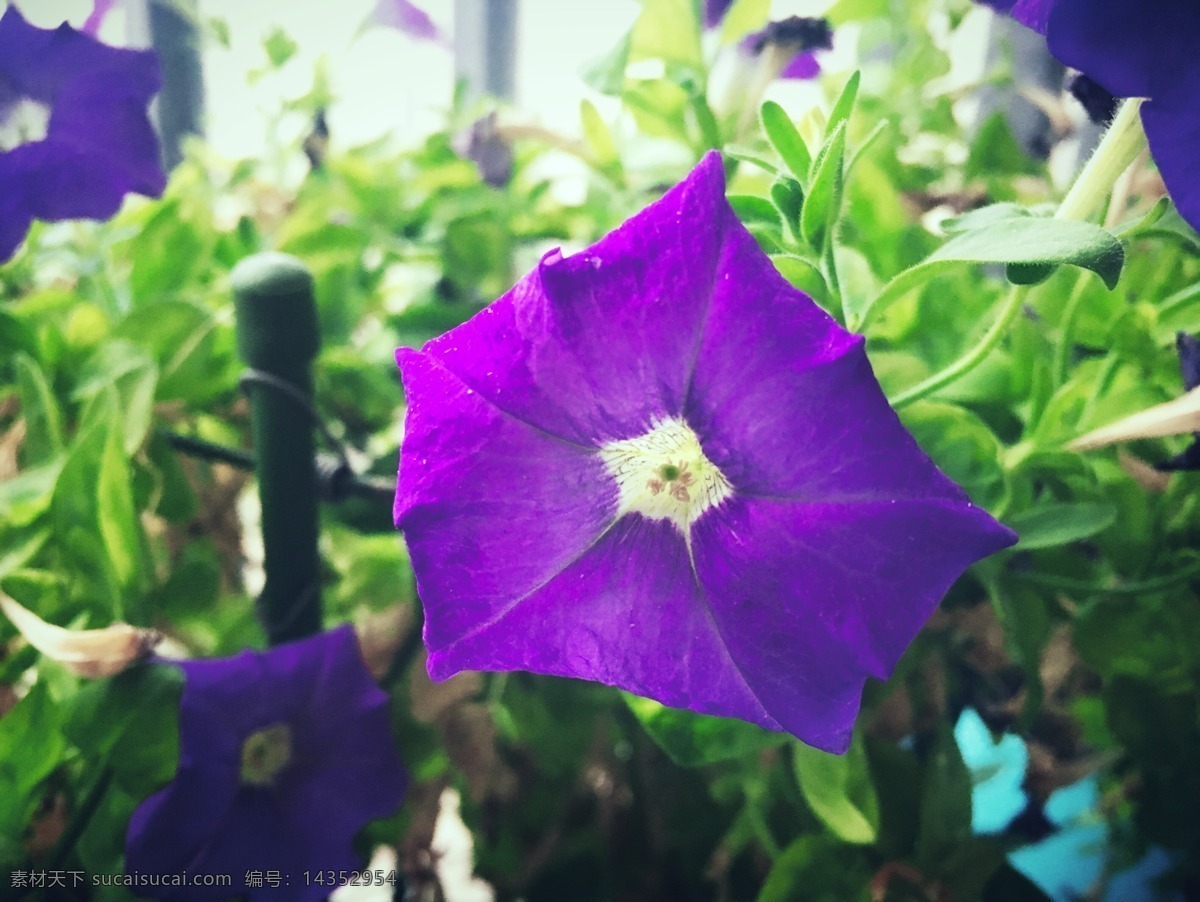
[(385, 82)]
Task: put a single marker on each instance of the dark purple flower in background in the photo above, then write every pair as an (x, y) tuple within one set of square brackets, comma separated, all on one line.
[(75, 137), (657, 465), (1136, 48), (284, 756), (796, 38)]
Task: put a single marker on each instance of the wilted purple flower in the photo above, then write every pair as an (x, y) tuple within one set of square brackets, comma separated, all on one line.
[(283, 757), (406, 17), (795, 37), (73, 119), (1134, 48), (795, 41), (657, 465)]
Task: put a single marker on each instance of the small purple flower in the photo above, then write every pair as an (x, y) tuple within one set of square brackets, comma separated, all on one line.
[(795, 39), (657, 465), (1135, 48), (796, 36), (283, 757), (75, 137), (406, 17)]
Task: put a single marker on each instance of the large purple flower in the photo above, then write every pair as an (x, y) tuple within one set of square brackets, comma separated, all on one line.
[(1136, 48), (74, 131), (283, 757), (657, 465)]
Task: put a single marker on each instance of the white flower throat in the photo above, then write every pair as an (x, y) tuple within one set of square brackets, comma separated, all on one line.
[(664, 475), (23, 121)]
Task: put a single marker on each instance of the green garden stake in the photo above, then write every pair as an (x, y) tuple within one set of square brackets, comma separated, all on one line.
[(278, 338)]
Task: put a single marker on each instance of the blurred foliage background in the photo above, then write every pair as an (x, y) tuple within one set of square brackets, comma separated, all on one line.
[(1077, 650)]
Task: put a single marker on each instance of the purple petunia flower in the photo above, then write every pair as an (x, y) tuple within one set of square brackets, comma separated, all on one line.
[(1136, 48), (796, 37), (657, 465), (283, 757), (90, 100)]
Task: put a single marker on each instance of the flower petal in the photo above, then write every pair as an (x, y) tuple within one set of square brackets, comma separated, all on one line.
[(628, 613), (473, 481), (40, 62), (785, 402), (814, 598), (1133, 48), (803, 66), (1173, 128), (598, 346)]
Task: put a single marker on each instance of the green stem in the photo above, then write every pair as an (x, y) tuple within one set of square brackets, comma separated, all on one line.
[(1119, 147), (1083, 587), (832, 281), (1179, 301), (972, 359), (87, 810), (1062, 349)]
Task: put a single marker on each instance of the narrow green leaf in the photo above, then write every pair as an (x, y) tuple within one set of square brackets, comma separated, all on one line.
[(691, 739), (1060, 523), (825, 191), (39, 409), (844, 105), (596, 134), (607, 73), (752, 208), (786, 139), (803, 274), (945, 810), (788, 197), (839, 790), (1011, 239)]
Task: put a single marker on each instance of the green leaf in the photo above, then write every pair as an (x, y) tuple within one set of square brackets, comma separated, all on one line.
[(788, 197), (667, 30), (607, 73), (839, 790), (194, 354), (1038, 241), (1060, 523), (131, 372), (26, 496), (691, 739), (844, 105), (825, 191), (597, 135), (39, 409), (818, 868), (743, 17), (31, 746), (130, 722), (279, 47), (94, 517), (1011, 240), (1022, 613), (802, 273), (786, 139), (945, 811), (962, 446), (752, 208)]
